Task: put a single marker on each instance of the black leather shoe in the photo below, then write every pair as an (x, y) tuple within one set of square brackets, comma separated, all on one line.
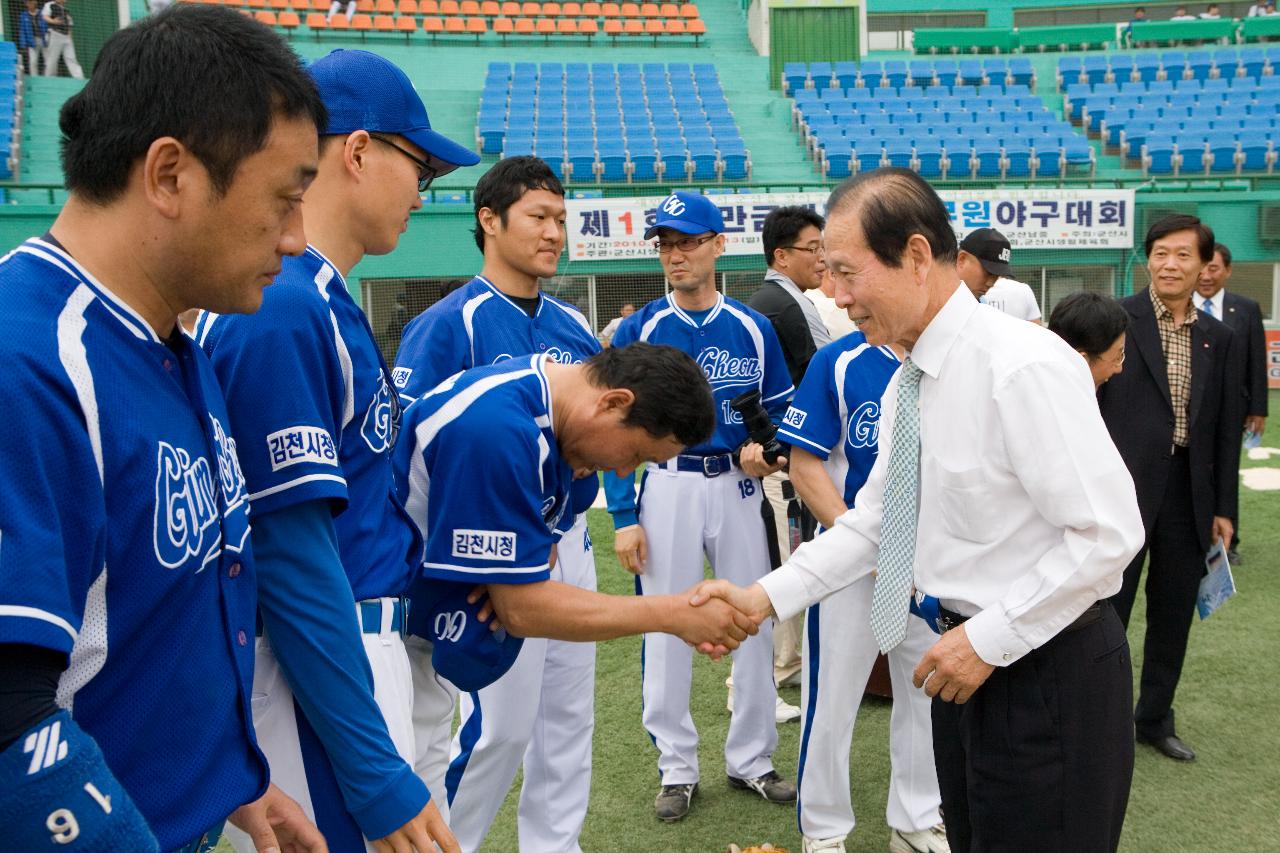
[(1170, 747), (1234, 558)]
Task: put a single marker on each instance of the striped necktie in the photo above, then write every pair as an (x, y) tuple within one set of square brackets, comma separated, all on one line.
[(891, 596)]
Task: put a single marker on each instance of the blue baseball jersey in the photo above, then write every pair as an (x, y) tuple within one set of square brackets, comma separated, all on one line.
[(736, 348), (477, 325), (836, 411), (316, 416), (482, 474), (124, 540)]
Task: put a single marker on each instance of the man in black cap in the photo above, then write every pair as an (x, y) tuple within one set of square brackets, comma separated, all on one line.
[(983, 263)]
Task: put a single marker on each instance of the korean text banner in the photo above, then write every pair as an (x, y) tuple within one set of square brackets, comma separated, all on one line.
[(613, 228)]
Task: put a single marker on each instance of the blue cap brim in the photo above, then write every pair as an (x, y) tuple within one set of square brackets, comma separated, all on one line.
[(442, 149), (678, 225)]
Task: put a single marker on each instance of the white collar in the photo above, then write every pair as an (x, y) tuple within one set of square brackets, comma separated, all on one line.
[(937, 338)]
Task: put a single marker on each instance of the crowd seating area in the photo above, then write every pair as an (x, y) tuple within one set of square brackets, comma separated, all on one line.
[(10, 109), (994, 131), (1172, 127), (474, 18), (601, 123), (870, 74), (1094, 36), (1169, 65)]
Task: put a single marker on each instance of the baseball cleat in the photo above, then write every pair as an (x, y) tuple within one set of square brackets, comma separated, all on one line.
[(673, 801), (930, 840), (771, 786)]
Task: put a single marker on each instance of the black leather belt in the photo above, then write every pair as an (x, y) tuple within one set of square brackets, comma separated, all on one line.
[(948, 619)]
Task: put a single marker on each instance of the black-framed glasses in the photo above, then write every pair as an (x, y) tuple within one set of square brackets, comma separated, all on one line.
[(426, 172), (684, 244)]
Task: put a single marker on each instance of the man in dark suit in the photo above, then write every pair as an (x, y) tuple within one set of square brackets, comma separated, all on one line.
[(1174, 414), (1244, 316)]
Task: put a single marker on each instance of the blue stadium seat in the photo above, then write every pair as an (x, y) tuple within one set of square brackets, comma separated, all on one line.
[(921, 71), (1223, 151), (898, 153), (1147, 67), (972, 72), (1095, 68), (846, 74), (582, 163), (896, 73), (946, 71), (820, 74), (1121, 68), (706, 162), (929, 160), (836, 160), (868, 155), (1160, 157), (674, 163), (1252, 60), (735, 161), (870, 73), (1257, 154), (1047, 158), (1017, 158), (795, 76)]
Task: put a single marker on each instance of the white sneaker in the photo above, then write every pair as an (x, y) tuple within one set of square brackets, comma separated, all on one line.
[(782, 711), (824, 845), (785, 713), (931, 840)]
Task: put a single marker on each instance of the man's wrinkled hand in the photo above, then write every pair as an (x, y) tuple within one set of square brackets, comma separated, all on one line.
[(951, 669), (277, 824), (420, 834), (713, 627), (752, 601), (632, 548), (751, 460)]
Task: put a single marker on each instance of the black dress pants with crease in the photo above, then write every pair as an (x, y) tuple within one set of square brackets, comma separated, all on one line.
[(1041, 756), (1174, 570)]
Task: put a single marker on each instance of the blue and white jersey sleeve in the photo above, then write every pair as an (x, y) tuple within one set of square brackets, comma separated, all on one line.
[(52, 515), (489, 524), (812, 422), (287, 440), (434, 347)]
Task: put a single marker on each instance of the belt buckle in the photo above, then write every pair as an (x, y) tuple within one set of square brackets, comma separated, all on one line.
[(711, 466), (946, 623)]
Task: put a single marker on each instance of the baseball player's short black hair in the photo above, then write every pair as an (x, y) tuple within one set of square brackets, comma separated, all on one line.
[(1162, 228), (894, 204), (210, 77), (1089, 322), (506, 182), (672, 394), (783, 226)]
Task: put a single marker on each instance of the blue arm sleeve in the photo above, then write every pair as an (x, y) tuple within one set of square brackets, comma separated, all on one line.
[(309, 614), (620, 492)]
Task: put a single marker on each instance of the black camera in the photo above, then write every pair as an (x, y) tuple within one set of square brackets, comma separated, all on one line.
[(759, 428)]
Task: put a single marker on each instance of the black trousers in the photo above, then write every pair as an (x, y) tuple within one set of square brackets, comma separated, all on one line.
[(1174, 571), (1040, 758)]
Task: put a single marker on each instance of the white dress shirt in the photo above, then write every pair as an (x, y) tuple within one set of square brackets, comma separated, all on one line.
[(1013, 297), (1216, 299), (1028, 514), (835, 318)]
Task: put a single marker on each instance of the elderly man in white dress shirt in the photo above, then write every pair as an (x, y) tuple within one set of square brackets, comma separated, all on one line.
[(992, 450)]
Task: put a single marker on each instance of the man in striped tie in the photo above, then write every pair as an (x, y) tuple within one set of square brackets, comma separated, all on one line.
[(996, 490)]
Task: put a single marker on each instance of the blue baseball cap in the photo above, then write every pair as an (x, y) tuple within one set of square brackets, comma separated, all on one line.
[(463, 649), (691, 213), (363, 91)]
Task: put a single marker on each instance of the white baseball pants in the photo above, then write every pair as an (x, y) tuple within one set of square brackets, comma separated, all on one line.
[(684, 516), (839, 651)]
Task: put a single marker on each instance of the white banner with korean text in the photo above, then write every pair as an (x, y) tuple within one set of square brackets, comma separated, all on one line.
[(613, 228)]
